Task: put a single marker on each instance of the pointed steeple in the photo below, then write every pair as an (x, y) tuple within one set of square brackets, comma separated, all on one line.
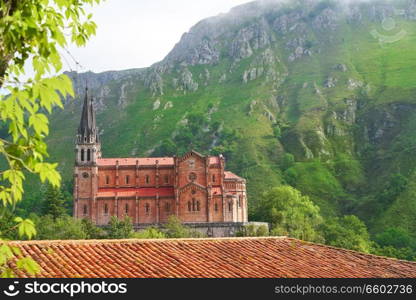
[(87, 130), (88, 147)]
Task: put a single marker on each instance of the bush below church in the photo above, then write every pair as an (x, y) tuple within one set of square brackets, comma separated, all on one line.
[(65, 227)]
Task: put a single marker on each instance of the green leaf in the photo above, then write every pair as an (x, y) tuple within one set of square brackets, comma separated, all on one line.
[(29, 265), (39, 122), (26, 228)]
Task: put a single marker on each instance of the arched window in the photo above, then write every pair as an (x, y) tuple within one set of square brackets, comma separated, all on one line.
[(189, 206), (126, 209), (107, 179), (166, 178), (147, 178), (88, 154), (213, 178), (230, 206), (167, 206), (82, 155), (216, 206), (127, 179), (197, 206), (193, 204), (85, 210), (147, 208), (106, 209)]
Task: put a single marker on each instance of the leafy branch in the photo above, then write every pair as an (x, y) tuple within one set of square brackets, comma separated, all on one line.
[(31, 31)]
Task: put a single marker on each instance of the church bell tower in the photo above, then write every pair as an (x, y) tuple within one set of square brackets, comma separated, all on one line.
[(87, 151)]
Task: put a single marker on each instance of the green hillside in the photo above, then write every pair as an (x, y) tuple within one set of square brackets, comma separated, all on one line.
[(331, 85)]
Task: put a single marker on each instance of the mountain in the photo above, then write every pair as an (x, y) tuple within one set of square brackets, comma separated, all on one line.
[(320, 95)]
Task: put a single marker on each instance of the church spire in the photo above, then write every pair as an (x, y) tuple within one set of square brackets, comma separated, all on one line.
[(87, 130), (87, 146)]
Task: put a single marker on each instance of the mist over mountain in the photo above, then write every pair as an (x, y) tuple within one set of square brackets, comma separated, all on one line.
[(320, 95)]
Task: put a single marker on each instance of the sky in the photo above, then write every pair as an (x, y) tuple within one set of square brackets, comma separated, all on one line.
[(138, 33)]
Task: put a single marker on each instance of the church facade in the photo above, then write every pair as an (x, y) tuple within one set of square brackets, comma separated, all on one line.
[(195, 188)]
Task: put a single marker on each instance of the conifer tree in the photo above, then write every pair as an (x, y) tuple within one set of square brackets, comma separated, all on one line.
[(54, 203)]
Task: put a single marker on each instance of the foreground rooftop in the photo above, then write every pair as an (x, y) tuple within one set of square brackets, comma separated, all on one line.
[(212, 258)]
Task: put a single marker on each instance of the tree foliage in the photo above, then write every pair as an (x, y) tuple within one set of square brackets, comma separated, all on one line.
[(92, 231), (33, 31), (175, 229), (149, 233), (54, 203), (120, 228), (61, 228), (290, 213), (347, 232), (253, 230), (396, 237)]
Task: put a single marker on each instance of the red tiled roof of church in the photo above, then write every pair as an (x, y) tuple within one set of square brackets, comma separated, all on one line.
[(231, 175), (132, 161), (144, 161), (212, 258)]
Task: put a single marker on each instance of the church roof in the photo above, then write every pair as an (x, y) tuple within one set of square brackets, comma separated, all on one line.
[(132, 161), (213, 258), (145, 161), (231, 175)]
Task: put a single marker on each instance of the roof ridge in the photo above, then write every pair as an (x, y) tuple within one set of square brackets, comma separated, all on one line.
[(113, 241)]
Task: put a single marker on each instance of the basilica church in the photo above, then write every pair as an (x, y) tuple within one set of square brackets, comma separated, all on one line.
[(195, 188)]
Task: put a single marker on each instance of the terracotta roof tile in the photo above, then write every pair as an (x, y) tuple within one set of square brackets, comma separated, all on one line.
[(145, 161), (231, 175), (132, 161), (212, 258)]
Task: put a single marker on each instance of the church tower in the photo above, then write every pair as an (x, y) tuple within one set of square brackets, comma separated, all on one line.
[(87, 151)]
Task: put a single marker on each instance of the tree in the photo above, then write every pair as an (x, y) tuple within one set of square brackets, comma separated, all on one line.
[(167, 148), (174, 229), (290, 213), (32, 31), (92, 231), (396, 185), (54, 203), (396, 237), (390, 251), (253, 230), (120, 229), (61, 228), (149, 233), (347, 232), (7, 223)]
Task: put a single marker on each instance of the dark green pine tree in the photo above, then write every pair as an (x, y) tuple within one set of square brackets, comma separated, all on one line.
[(54, 203)]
